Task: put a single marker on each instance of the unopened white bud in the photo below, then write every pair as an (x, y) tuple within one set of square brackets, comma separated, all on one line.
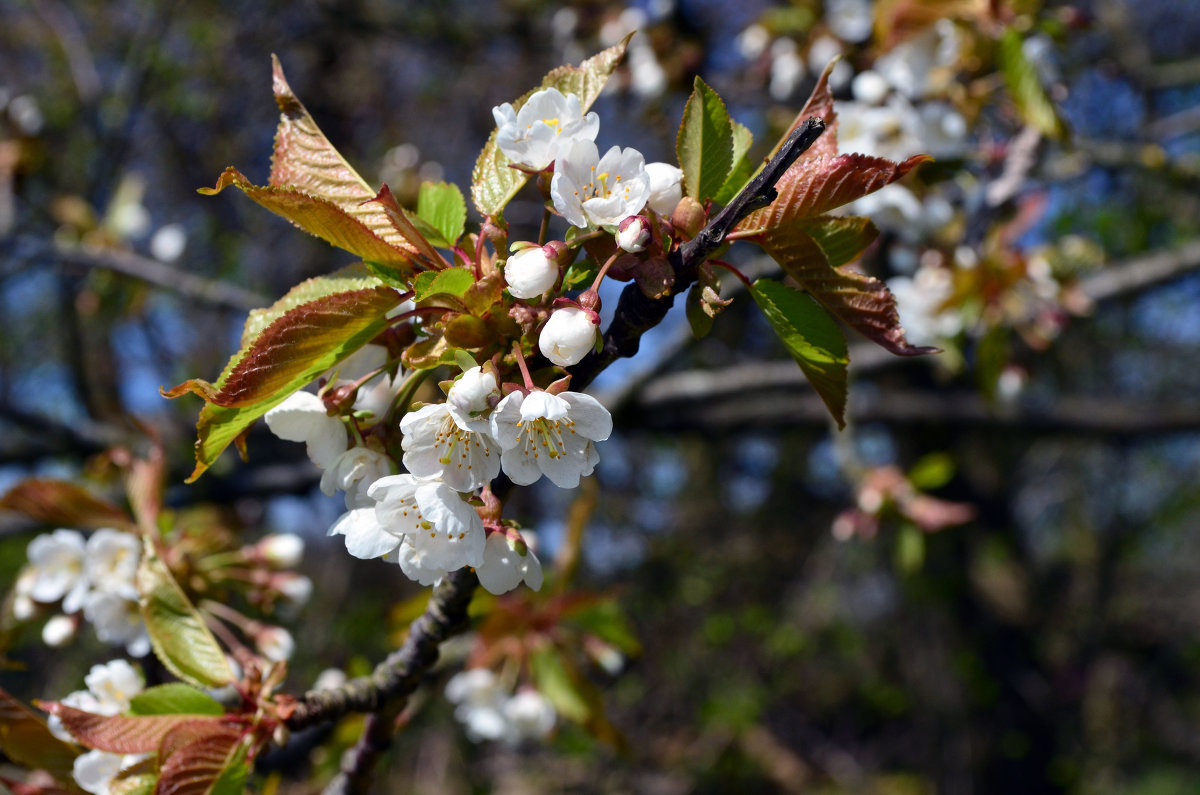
[(633, 234), (297, 589), (471, 391), (276, 644), (568, 336), (530, 272), (58, 631), (282, 549)]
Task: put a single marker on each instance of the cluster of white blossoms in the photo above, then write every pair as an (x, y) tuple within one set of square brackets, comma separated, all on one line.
[(423, 519), (110, 688), (93, 578), (490, 712)]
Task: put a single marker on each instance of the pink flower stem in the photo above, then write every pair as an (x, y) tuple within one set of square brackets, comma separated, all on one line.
[(521, 364), (604, 270), (731, 269)]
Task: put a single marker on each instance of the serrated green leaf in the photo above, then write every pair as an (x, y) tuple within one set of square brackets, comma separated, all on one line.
[(178, 634), (359, 276), (812, 338), (442, 206), (743, 166), (705, 143), (1026, 87), (554, 681), (26, 740), (451, 281), (493, 183), (174, 698)]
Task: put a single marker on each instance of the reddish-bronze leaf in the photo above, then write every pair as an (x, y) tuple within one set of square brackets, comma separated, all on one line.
[(820, 104), (816, 185), (64, 504), (404, 224), (194, 760), (25, 788), (26, 740), (862, 302), (118, 734), (355, 230), (305, 159)]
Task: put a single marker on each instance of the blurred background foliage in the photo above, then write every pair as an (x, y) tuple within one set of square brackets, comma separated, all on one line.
[(988, 583)]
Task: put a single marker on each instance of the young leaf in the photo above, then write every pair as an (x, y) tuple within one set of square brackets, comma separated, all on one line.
[(313, 328), (118, 734), (442, 206), (1026, 87), (203, 760), (174, 698), (138, 779), (58, 502), (305, 159), (451, 281), (705, 143), (743, 166), (700, 321), (553, 680), (26, 740), (813, 339), (180, 638), (862, 302), (326, 220), (819, 104), (493, 183), (841, 238)]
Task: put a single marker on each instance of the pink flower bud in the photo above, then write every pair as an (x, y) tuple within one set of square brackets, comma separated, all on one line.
[(633, 234)]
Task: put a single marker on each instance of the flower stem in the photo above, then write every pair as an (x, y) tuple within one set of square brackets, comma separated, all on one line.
[(723, 264), (604, 270), (545, 227), (521, 364)]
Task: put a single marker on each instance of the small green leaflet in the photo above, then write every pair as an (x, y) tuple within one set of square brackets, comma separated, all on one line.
[(743, 166), (1026, 87), (812, 337), (174, 698), (441, 205), (451, 281), (705, 143)]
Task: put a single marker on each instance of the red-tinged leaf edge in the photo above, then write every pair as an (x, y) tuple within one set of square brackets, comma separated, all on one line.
[(404, 224), (320, 217), (197, 760), (819, 104), (119, 734), (65, 504)]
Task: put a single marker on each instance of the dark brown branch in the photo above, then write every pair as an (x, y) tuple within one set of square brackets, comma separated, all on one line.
[(636, 314)]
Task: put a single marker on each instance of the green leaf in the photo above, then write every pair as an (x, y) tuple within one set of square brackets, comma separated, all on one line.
[(174, 698), (841, 238), (606, 621), (27, 741), (812, 338), (493, 183), (451, 281), (743, 166), (442, 206), (313, 328), (932, 471), (1026, 87), (910, 549), (554, 681), (705, 144), (180, 638)]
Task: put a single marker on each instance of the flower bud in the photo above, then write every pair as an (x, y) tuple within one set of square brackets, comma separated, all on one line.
[(688, 217), (568, 336), (275, 643), (296, 588), (531, 271), (633, 234), (282, 549), (58, 631), (471, 391), (666, 187)]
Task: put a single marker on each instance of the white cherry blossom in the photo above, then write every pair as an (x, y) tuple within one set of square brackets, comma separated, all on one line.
[(276, 644), (504, 567), (442, 442), (480, 703), (366, 538), (284, 550), (589, 190), (444, 531), (551, 435), (112, 561), (117, 621), (302, 418), (535, 135), (568, 336), (353, 471), (58, 631), (530, 716), (57, 560)]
